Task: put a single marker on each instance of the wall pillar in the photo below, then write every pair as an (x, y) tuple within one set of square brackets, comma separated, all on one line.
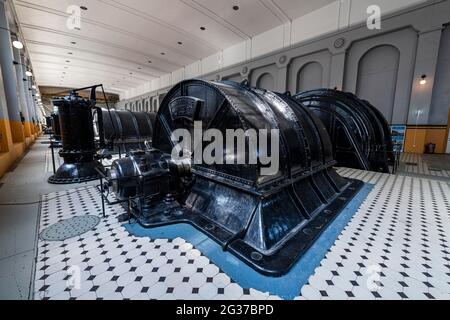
[(28, 91), (426, 61), (22, 94), (9, 78), (281, 80), (5, 131), (337, 70)]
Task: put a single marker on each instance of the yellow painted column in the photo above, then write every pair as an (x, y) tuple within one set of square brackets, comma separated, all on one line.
[(7, 150), (4, 136), (9, 77), (17, 131), (12, 135), (27, 129)]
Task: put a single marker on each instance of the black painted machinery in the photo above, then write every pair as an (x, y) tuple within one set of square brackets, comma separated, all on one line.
[(78, 145), (84, 141), (48, 121), (359, 133), (56, 129), (48, 125), (268, 219), (121, 131)]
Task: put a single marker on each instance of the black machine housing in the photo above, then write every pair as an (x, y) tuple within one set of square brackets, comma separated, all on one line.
[(48, 125), (360, 134), (267, 221), (85, 141), (75, 122), (56, 129), (121, 131)]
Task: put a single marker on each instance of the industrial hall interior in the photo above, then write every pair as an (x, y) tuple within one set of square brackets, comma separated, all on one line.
[(225, 150)]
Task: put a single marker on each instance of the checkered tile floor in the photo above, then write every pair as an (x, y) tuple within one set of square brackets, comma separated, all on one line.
[(395, 247), (422, 164)]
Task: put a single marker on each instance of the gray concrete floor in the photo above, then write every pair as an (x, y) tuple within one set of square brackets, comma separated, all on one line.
[(18, 224)]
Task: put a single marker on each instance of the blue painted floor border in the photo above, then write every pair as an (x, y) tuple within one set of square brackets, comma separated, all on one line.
[(287, 286)]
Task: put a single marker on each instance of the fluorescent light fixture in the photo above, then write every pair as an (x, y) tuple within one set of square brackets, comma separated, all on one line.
[(29, 74), (38, 95), (34, 87), (17, 44)]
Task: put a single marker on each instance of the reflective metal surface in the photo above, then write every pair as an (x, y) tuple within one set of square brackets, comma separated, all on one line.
[(78, 145), (123, 130), (359, 133), (56, 129), (268, 221)]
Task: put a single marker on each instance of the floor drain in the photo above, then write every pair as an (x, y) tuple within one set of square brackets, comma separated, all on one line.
[(69, 228), (411, 164)]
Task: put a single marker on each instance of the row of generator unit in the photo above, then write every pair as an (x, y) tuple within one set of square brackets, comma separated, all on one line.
[(266, 220)]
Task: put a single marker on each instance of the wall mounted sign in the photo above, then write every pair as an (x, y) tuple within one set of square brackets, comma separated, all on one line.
[(398, 137)]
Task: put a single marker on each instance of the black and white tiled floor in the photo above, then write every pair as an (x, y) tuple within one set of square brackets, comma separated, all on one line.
[(114, 265), (423, 164), (395, 247)]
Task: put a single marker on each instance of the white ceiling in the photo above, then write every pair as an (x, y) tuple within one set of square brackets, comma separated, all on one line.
[(118, 38)]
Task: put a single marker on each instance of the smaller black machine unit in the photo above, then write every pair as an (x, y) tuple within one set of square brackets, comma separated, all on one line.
[(78, 145), (48, 125), (56, 128), (150, 180), (121, 131), (89, 133)]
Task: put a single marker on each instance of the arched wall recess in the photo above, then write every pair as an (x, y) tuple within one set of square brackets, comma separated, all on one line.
[(377, 78), (405, 41), (309, 77), (302, 75), (264, 77), (155, 104), (266, 81)]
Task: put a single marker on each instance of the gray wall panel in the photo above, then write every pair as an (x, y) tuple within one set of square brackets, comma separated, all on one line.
[(264, 77), (234, 77), (347, 62), (377, 78), (405, 41), (440, 103), (309, 72)]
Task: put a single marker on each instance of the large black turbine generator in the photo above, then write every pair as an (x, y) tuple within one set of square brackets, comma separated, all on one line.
[(360, 134), (268, 221)]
